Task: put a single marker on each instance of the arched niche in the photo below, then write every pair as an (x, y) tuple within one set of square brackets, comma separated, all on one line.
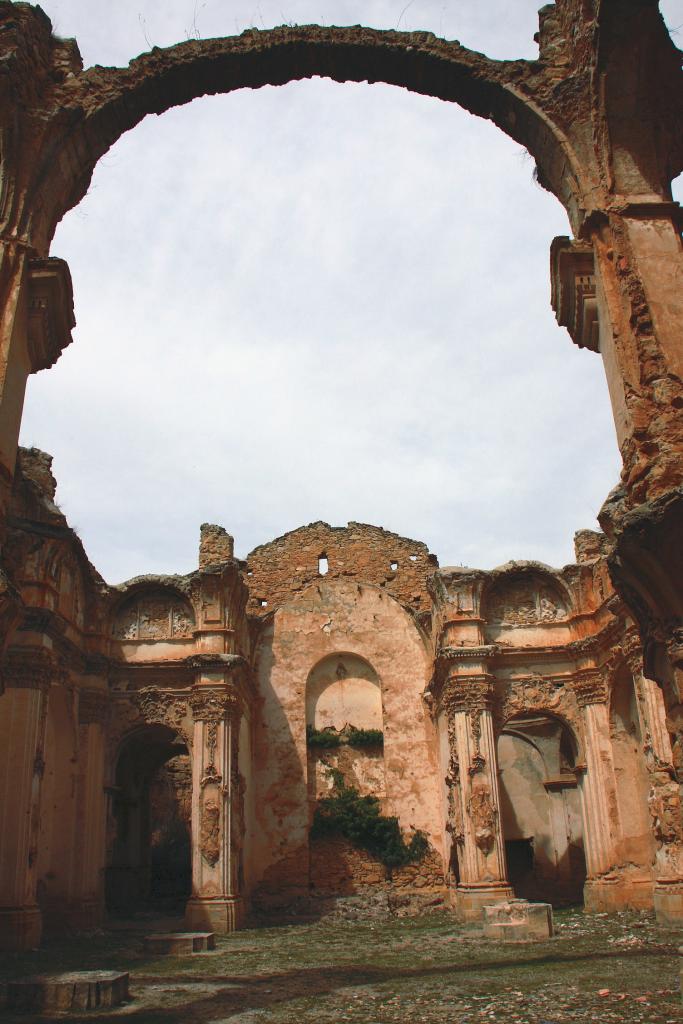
[(158, 613), (525, 598), (540, 809), (148, 856), (343, 690)]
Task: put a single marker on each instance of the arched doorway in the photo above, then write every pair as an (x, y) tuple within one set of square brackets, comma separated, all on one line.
[(149, 855), (540, 809)]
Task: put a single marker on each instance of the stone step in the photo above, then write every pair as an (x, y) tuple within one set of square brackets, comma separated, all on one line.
[(71, 990), (180, 943)]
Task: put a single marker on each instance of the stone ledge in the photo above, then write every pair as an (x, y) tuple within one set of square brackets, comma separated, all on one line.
[(180, 943)]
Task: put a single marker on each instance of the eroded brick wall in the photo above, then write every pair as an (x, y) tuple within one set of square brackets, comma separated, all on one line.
[(339, 868), (279, 570)]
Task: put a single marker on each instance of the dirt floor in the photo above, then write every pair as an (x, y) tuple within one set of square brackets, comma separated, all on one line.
[(375, 971)]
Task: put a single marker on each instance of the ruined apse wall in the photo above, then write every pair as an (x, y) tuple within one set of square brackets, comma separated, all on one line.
[(338, 618)]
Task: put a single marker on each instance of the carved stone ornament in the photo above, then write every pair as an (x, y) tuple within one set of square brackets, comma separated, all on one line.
[(483, 817), (455, 824), (33, 668), (209, 830), (210, 705), (632, 651), (467, 693), (664, 802), (531, 693), (157, 706), (590, 687)]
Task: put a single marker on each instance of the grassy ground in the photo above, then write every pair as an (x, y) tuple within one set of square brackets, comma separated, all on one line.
[(430, 969)]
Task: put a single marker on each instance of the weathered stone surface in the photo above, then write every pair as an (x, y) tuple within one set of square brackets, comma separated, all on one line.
[(70, 991), (180, 943), (518, 921)]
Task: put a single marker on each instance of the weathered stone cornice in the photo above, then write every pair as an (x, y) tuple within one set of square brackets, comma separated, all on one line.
[(590, 687), (32, 668)]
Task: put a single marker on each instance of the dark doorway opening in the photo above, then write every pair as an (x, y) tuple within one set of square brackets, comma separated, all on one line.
[(520, 861), (149, 859)]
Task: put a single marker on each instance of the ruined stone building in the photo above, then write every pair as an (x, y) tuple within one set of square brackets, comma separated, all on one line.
[(172, 737)]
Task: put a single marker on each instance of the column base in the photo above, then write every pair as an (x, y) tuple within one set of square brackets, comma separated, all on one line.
[(21, 928), (668, 900), (609, 895), (470, 900), (218, 914)]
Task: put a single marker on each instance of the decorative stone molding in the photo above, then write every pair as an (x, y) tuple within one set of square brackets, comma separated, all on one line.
[(33, 668), (50, 311), (590, 687), (472, 693), (213, 705), (573, 296), (483, 816), (632, 652)]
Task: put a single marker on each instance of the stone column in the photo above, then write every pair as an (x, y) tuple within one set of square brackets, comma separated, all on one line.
[(87, 887), (664, 799), (598, 790), (216, 901), (474, 796), (23, 712)]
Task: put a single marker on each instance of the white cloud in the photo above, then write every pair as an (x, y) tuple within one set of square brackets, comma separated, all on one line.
[(317, 302)]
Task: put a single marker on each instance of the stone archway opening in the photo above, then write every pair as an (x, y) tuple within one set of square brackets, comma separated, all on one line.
[(149, 848), (540, 809)]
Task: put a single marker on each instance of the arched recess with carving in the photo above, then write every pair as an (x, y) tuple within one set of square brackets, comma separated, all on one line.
[(153, 613), (524, 596)]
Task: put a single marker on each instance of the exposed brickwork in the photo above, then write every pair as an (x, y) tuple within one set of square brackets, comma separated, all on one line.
[(340, 868), (289, 564), (215, 545)]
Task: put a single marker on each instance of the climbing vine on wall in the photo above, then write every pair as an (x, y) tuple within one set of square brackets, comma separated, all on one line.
[(359, 819), (326, 739)]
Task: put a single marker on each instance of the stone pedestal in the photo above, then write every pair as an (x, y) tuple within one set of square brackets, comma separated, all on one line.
[(60, 993), (668, 900), (518, 921)]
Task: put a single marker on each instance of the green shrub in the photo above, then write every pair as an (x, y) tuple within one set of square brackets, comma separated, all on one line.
[(365, 737), (324, 739), (358, 818)]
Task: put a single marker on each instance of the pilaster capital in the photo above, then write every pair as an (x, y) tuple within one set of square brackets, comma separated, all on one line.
[(213, 704), (590, 687), (632, 651), (467, 693), (32, 668), (93, 706)]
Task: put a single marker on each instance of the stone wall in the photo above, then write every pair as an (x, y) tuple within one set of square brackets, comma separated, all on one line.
[(286, 566), (338, 868)]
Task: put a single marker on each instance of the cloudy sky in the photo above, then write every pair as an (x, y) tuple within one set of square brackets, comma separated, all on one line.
[(317, 302)]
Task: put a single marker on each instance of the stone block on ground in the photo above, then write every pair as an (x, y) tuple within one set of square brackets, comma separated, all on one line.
[(180, 943), (71, 990), (518, 921)]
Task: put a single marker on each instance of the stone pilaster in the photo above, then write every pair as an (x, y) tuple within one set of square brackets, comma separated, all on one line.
[(216, 902), (664, 799), (87, 887), (23, 710), (598, 790), (474, 799)]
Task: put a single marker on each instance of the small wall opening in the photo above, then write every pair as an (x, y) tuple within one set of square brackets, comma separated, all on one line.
[(323, 565), (149, 857)]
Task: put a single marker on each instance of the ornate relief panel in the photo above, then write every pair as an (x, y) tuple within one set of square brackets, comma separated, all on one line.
[(154, 615), (524, 600)]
